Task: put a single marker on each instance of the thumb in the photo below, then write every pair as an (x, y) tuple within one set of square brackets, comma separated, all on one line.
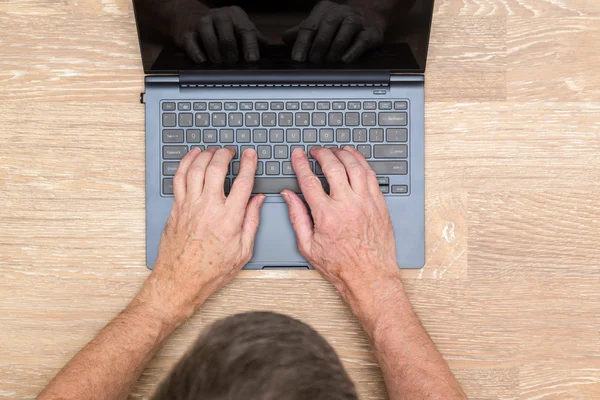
[(289, 36), (300, 220), (252, 219)]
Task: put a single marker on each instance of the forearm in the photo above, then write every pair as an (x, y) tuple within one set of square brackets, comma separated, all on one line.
[(111, 363), (411, 365)]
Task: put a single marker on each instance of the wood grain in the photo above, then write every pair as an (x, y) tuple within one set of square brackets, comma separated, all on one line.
[(511, 289)]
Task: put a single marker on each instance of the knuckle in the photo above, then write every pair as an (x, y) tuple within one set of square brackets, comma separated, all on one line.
[(334, 169), (309, 181), (222, 16), (227, 40), (356, 169), (243, 183), (195, 174), (353, 20)]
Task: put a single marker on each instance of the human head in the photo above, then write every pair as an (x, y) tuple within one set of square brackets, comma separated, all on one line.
[(258, 355)]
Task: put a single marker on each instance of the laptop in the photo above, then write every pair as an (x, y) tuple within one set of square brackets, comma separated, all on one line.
[(276, 104)]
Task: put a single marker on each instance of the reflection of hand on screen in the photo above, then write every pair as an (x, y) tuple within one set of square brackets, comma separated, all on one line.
[(218, 33), (334, 32)]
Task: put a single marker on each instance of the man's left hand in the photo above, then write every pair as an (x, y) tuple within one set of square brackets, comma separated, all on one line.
[(208, 237)]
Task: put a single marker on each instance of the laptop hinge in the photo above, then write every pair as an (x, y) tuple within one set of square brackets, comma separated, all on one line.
[(193, 79)]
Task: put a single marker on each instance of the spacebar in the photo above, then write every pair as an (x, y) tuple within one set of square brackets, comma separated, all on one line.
[(276, 185)]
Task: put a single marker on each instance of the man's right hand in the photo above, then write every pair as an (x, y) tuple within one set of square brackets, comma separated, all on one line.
[(350, 239)]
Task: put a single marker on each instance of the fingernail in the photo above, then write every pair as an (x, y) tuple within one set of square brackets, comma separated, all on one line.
[(346, 59), (298, 56), (286, 196), (252, 56)]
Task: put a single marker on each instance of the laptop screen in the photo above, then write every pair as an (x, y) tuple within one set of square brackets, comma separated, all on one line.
[(179, 35)]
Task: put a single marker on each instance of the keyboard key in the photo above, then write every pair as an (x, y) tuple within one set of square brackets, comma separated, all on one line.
[(172, 135), (302, 119), (277, 105), (376, 135), (293, 135), (370, 105), (390, 151), (323, 105), (399, 189), (169, 168), (318, 169), (342, 135), (368, 119), (236, 119), (308, 151), (218, 119), (231, 106), (200, 106), (389, 167), (339, 105), (174, 152), (276, 135), (326, 135), (192, 135), (243, 135), (269, 119), (210, 136), (227, 186), (272, 167), (260, 135), (318, 119), (308, 105), (384, 189), (263, 105), (359, 135), (235, 150), (331, 146), (354, 105), (259, 168), (202, 119), (383, 180), (264, 152), (226, 135), (396, 134), (352, 119), (246, 147), (286, 119), (168, 106), (392, 119), (310, 135), (214, 106), (281, 152), (400, 105), (235, 168), (167, 185), (186, 120), (287, 168), (348, 145), (385, 105), (184, 106), (292, 105), (252, 119), (335, 119), (246, 105), (169, 120), (296, 146), (364, 149)]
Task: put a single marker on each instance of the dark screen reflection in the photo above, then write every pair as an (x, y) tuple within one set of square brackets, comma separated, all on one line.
[(292, 34)]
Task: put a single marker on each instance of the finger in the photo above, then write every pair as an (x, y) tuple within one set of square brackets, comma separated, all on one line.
[(227, 41), (364, 41), (289, 36), (252, 220), (192, 48), (357, 175), (196, 173), (333, 169), (209, 40), (307, 31), (247, 32), (216, 171), (310, 185), (371, 177), (327, 31), (344, 38), (301, 222), (243, 183), (179, 180)]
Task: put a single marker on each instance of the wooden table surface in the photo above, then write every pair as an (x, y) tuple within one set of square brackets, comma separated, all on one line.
[(511, 289)]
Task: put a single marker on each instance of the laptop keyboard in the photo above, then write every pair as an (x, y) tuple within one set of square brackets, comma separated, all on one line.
[(377, 129)]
